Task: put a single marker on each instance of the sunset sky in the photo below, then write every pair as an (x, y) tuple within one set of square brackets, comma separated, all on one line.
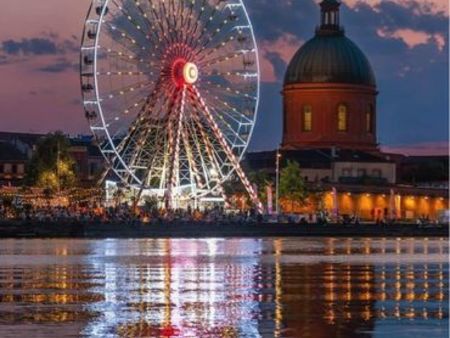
[(405, 40)]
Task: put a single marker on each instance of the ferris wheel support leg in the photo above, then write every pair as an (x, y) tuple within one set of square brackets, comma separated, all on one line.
[(225, 197), (102, 178), (174, 143), (231, 157), (190, 157)]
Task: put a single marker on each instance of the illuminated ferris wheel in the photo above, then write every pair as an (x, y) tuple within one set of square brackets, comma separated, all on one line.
[(171, 91)]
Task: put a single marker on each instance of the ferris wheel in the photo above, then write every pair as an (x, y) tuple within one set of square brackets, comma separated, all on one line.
[(171, 92)]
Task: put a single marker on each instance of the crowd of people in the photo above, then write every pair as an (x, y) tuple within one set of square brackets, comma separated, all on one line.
[(126, 214)]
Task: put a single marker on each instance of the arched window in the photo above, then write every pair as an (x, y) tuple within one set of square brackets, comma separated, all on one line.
[(342, 118), (369, 119), (307, 118)]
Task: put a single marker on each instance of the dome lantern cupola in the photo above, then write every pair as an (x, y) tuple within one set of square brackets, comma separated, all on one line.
[(330, 57), (330, 16)]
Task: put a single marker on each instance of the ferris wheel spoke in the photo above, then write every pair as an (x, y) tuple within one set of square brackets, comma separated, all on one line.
[(138, 28), (245, 75), (228, 109), (217, 48), (128, 43), (182, 32), (226, 113), (169, 15), (151, 28), (225, 20), (189, 10), (190, 156), (165, 20), (124, 73), (160, 23), (126, 56), (227, 91), (232, 56), (176, 116), (217, 10), (193, 35), (130, 59), (216, 33), (118, 35), (127, 89)]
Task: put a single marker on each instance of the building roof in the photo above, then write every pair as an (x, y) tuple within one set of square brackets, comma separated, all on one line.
[(88, 143), (10, 153), (32, 139), (330, 57), (313, 158), (27, 138)]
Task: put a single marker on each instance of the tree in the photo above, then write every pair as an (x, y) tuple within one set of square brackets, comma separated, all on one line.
[(52, 167), (262, 180), (292, 184)]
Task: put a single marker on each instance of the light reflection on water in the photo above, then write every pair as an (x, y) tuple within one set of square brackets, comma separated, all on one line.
[(224, 288)]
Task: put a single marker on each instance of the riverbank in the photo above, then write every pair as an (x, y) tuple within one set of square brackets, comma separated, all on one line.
[(207, 230)]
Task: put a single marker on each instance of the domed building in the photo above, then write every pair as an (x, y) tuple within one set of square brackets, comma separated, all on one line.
[(329, 129), (329, 91)]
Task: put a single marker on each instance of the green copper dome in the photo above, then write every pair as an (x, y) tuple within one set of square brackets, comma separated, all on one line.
[(330, 57)]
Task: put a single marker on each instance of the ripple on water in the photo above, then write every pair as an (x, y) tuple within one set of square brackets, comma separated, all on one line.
[(224, 288)]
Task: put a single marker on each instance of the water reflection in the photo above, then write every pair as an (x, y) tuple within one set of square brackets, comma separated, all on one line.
[(225, 288)]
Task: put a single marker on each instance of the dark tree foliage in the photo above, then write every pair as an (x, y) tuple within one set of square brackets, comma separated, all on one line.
[(292, 184), (52, 167)]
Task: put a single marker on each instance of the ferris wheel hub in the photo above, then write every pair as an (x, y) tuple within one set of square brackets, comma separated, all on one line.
[(184, 73), (190, 73)]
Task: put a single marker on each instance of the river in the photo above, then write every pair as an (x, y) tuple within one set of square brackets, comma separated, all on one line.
[(316, 287)]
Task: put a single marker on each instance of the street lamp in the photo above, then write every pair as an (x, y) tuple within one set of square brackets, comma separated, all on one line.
[(277, 189)]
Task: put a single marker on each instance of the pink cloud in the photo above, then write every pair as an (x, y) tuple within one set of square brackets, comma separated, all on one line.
[(39, 101), (285, 47), (420, 149), (27, 18), (435, 7), (413, 38)]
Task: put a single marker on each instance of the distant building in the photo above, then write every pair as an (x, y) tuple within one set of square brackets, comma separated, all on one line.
[(329, 128), (16, 150), (331, 165), (12, 164), (89, 160), (424, 171)]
